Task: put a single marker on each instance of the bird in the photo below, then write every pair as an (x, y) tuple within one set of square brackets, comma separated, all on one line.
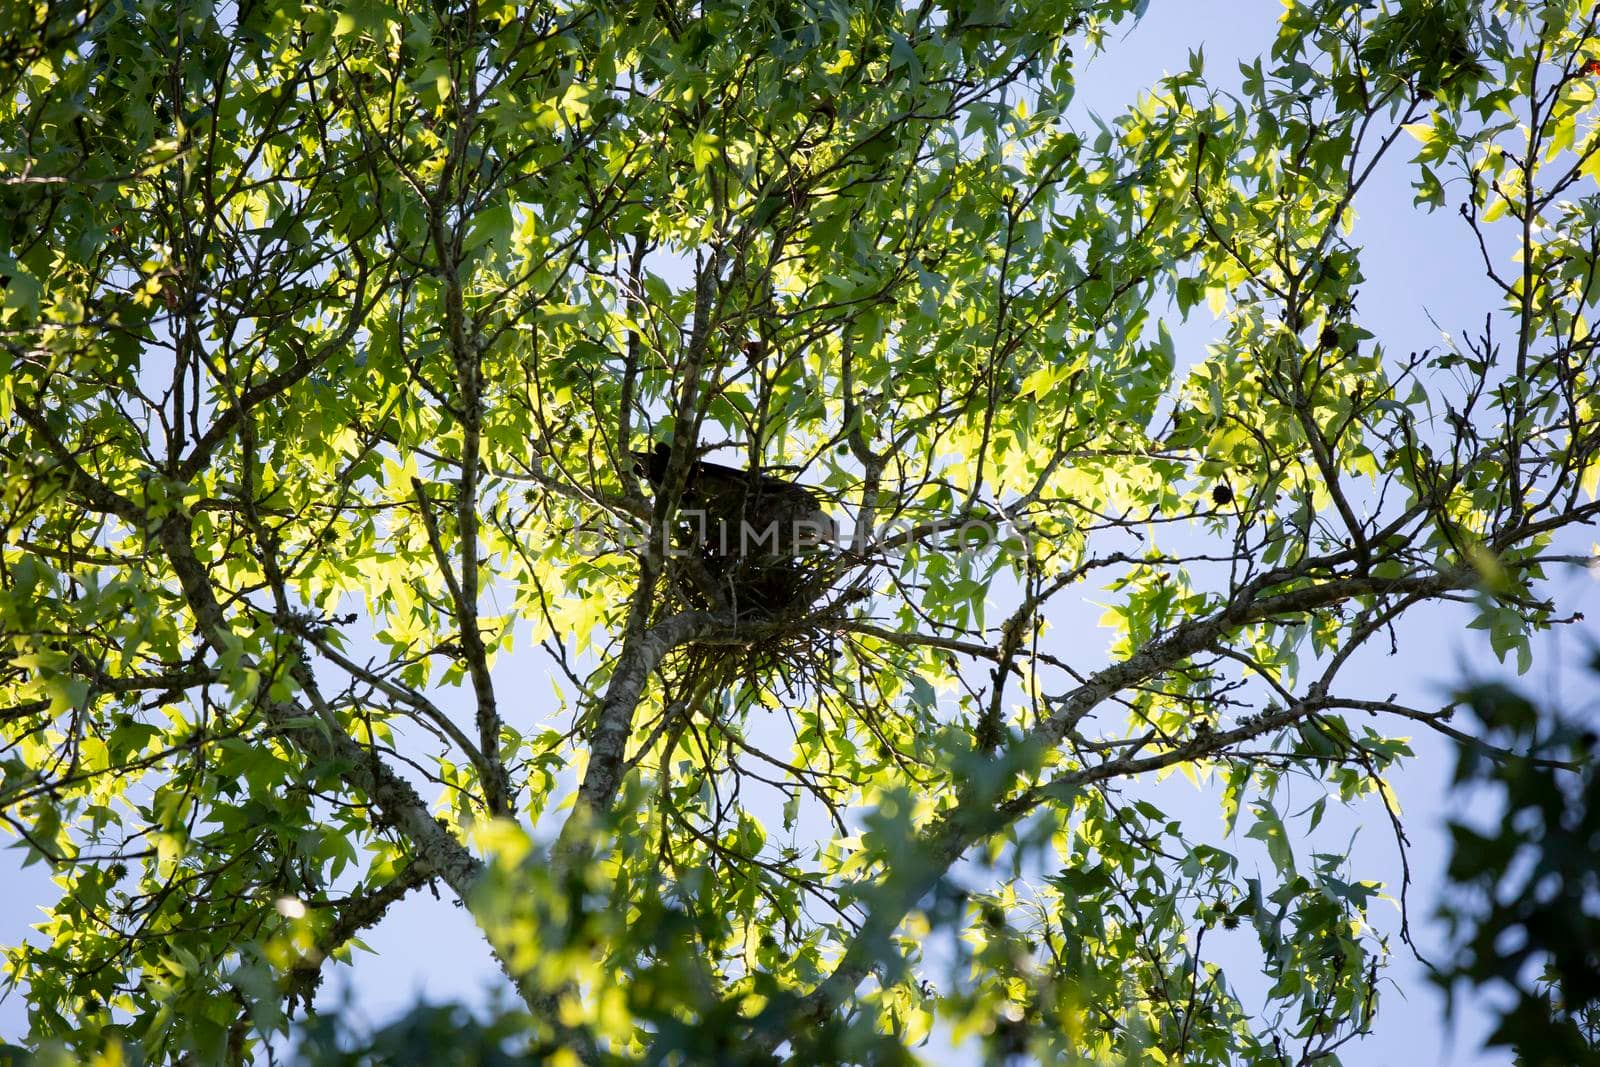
[(742, 513)]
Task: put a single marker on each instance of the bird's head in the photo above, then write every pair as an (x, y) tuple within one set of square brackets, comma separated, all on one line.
[(652, 465)]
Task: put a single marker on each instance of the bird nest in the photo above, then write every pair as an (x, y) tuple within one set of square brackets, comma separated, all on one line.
[(782, 639), (758, 550), (754, 589)]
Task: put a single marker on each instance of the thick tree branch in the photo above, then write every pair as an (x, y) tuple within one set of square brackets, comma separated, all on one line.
[(962, 827), (644, 646)]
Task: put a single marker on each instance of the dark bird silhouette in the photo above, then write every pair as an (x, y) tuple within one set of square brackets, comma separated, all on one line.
[(734, 513)]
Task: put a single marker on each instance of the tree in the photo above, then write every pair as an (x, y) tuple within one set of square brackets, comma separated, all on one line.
[(329, 334)]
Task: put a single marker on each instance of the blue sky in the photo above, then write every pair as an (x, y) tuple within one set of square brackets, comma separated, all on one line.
[(1419, 266)]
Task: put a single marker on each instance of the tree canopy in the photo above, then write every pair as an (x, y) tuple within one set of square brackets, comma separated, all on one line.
[(329, 333)]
